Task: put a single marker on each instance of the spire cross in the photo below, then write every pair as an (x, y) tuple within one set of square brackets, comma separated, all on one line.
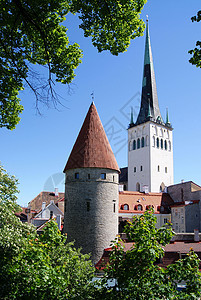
[(92, 96)]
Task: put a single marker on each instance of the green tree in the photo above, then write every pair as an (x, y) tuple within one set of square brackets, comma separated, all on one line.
[(31, 32), (38, 267), (136, 272), (196, 52)]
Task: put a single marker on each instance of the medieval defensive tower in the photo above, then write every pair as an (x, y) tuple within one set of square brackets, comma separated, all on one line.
[(91, 189)]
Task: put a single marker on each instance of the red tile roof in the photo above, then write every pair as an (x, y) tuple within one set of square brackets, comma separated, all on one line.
[(92, 148), (155, 200), (36, 203), (172, 253)]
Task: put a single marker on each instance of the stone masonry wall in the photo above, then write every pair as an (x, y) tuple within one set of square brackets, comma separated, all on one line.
[(91, 209)]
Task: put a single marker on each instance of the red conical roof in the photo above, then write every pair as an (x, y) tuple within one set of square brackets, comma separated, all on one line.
[(92, 148)]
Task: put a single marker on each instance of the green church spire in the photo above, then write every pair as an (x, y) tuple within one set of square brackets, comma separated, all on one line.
[(149, 98)]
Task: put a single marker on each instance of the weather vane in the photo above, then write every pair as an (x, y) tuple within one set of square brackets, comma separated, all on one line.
[(92, 96)]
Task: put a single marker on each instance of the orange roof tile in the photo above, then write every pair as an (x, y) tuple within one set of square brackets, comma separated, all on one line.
[(156, 200), (92, 148)]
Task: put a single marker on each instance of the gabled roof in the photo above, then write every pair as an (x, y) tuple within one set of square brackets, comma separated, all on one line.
[(48, 207), (36, 203), (92, 148)]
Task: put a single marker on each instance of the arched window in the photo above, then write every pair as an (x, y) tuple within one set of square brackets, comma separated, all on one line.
[(158, 168), (139, 207), (125, 207), (161, 143), (165, 145), (142, 142), (153, 141), (157, 142), (138, 143), (134, 144), (137, 187)]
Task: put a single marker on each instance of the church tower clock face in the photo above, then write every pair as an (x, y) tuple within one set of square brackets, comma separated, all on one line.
[(150, 147)]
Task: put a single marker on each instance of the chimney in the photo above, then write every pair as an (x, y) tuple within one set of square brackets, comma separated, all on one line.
[(121, 188), (43, 207), (196, 235), (56, 192), (59, 221), (145, 189)]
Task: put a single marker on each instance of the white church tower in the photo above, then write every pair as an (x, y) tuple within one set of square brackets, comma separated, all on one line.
[(150, 147)]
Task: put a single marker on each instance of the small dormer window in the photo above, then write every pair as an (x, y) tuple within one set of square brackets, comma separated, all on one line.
[(77, 176), (103, 175)]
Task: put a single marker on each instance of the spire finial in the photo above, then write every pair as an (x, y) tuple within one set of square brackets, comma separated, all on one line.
[(92, 96), (147, 18), (167, 117), (131, 115)]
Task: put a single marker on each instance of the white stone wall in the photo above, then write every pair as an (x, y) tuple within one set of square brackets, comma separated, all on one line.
[(154, 165), (91, 209), (161, 160), (138, 158)]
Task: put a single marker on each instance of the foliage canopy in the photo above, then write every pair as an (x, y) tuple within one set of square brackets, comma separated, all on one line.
[(37, 266), (32, 32), (136, 271), (196, 52)]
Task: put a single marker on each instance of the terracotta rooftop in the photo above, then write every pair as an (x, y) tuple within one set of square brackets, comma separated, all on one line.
[(36, 203), (92, 148), (160, 202), (171, 253)]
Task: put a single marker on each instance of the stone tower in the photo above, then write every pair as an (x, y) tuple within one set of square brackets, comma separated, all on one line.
[(91, 189), (150, 148)]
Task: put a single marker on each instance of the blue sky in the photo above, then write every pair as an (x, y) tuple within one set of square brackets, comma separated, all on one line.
[(37, 150)]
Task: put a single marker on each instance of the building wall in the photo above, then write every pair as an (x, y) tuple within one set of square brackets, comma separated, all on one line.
[(91, 209), (154, 165), (178, 219), (192, 215), (185, 191), (161, 158), (139, 157)]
